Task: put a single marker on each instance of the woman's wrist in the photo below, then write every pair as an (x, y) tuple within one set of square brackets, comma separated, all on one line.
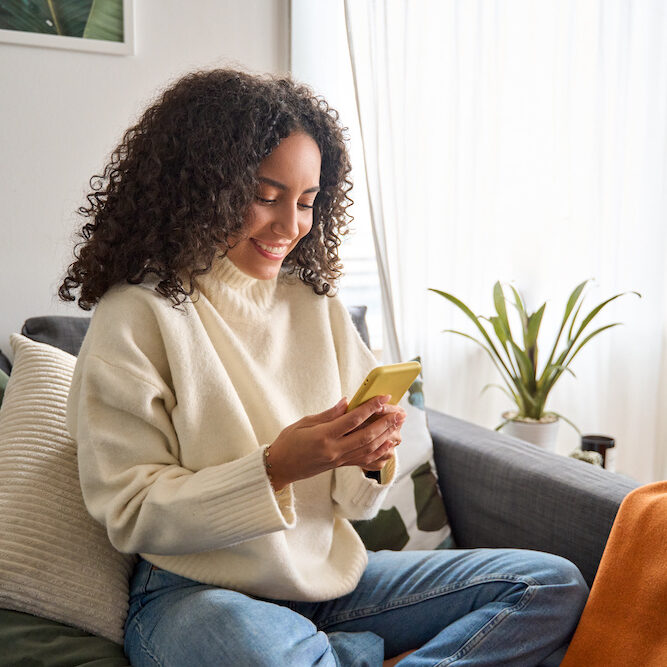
[(271, 472)]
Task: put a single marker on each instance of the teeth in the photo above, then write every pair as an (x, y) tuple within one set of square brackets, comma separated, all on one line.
[(273, 249)]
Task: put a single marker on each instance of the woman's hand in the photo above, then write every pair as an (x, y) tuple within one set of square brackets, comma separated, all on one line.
[(332, 439)]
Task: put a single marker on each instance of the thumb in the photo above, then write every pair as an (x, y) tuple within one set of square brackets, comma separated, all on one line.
[(337, 409), (334, 412)]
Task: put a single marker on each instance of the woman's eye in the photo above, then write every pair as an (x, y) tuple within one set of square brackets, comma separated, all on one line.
[(266, 200)]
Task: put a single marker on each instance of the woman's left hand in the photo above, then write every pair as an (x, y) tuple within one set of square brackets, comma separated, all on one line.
[(386, 450)]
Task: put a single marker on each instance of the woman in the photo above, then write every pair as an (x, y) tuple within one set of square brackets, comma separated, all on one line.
[(206, 403)]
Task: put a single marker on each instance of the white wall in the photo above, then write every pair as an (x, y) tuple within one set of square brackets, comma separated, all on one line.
[(63, 112)]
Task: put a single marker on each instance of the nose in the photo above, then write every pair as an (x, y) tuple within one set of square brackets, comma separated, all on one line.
[(286, 222)]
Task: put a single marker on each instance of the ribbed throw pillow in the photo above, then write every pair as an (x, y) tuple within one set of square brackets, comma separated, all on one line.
[(55, 560)]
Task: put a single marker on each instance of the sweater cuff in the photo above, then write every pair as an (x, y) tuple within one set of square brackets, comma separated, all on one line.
[(241, 503), (370, 491), (284, 497), (363, 492), (388, 472)]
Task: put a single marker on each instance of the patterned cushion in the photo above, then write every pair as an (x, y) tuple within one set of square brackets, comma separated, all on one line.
[(413, 514)]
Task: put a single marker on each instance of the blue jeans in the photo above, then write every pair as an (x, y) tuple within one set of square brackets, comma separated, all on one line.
[(456, 607)]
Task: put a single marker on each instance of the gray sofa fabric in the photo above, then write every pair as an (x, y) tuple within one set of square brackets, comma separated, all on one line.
[(502, 492), (64, 332), (358, 314)]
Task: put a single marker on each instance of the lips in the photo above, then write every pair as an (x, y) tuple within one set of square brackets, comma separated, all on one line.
[(269, 250)]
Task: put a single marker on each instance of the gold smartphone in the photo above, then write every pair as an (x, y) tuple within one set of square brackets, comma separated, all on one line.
[(394, 379)]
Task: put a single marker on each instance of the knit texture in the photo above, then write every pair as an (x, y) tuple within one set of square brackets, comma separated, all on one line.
[(625, 618), (55, 560), (171, 409)]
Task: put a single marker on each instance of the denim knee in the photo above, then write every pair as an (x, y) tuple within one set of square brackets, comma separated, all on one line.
[(561, 571), (564, 582)]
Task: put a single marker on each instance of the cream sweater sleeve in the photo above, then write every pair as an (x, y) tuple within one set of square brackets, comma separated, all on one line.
[(132, 481), (355, 495)]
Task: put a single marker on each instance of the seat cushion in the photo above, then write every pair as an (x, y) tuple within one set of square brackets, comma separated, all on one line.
[(31, 640)]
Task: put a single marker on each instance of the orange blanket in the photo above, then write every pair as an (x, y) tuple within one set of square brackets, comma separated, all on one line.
[(625, 619)]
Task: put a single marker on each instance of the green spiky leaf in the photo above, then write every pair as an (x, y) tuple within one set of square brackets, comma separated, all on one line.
[(522, 384)]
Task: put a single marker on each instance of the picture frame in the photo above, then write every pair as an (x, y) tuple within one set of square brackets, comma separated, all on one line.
[(109, 22)]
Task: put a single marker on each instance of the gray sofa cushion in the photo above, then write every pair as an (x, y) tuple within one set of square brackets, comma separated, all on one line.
[(64, 332), (358, 314)]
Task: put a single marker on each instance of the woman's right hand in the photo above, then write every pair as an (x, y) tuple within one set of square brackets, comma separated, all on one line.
[(334, 438)]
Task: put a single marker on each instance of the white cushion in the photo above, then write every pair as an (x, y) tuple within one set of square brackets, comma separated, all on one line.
[(55, 560)]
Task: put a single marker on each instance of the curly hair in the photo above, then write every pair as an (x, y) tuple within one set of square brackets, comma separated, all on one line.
[(179, 185)]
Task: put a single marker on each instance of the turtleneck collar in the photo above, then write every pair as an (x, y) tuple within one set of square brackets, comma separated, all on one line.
[(226, 282)]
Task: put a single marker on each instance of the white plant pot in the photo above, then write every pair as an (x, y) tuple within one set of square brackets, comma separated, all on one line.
[(538, 432)]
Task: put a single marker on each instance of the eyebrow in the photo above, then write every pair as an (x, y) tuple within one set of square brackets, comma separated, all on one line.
[(282, 186)]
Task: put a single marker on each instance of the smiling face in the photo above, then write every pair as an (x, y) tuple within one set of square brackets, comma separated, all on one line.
[(282, 212)]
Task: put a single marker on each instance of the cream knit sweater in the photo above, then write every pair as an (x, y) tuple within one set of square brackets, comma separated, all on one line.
[(171, 409)]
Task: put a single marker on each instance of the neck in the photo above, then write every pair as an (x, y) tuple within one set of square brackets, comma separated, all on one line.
[(226, 280)]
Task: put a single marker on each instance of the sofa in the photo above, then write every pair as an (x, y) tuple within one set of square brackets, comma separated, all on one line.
[(498, 491)]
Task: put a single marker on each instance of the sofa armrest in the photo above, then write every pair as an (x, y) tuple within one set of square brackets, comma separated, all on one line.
[(503, 492)]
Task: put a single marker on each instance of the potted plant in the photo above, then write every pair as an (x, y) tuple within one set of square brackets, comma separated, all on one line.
[(517, 358)]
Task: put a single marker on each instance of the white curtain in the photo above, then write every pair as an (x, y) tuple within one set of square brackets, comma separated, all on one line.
[(525, 142)]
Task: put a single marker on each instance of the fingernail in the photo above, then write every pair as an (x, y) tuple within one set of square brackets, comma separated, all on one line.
[(341, 402)]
